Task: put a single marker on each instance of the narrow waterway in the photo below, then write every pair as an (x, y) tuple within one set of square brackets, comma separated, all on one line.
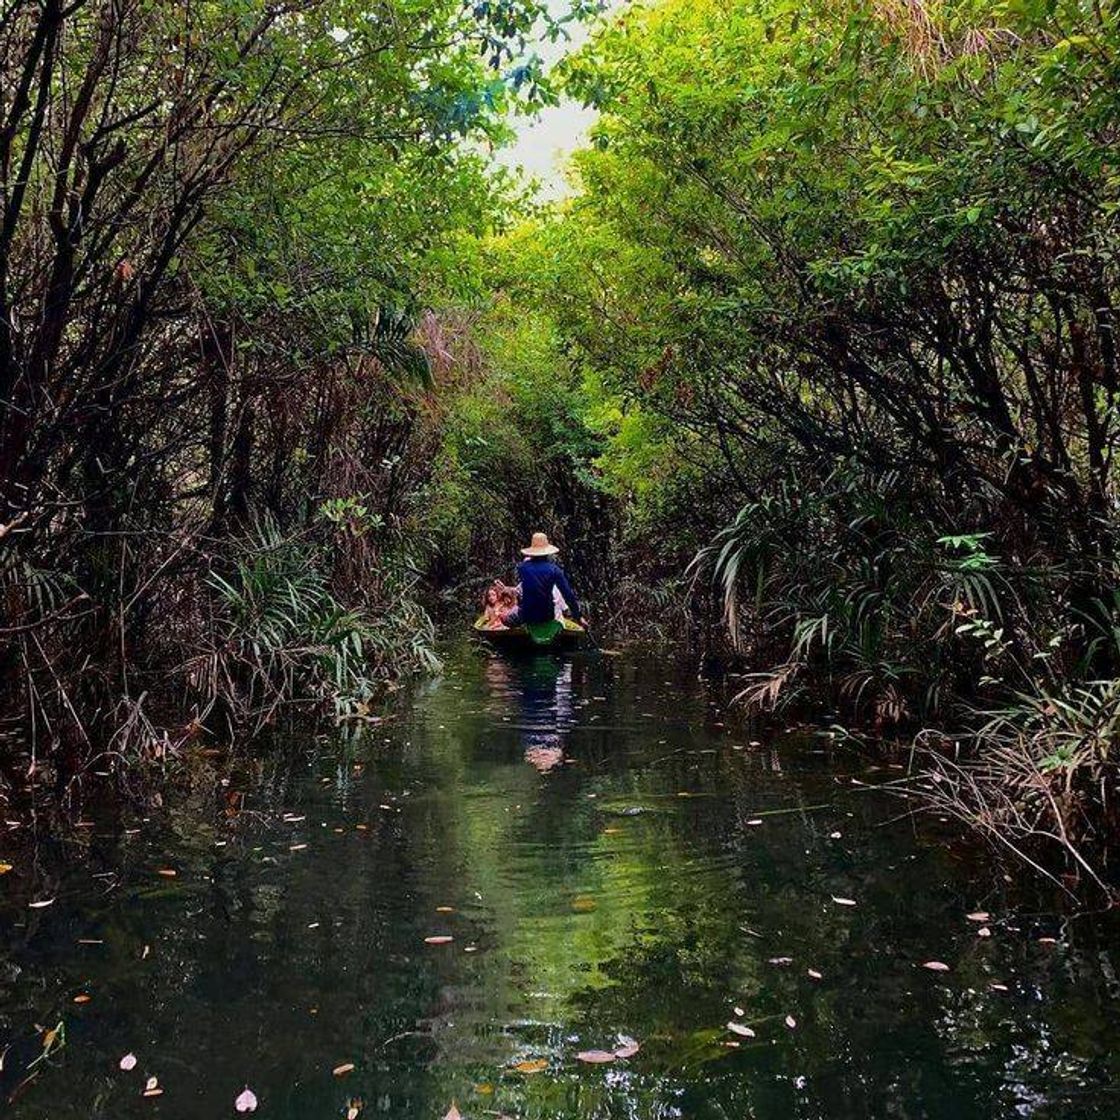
[(538, 863)]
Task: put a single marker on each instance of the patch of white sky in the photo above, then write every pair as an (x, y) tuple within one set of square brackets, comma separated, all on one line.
[(546, 139)]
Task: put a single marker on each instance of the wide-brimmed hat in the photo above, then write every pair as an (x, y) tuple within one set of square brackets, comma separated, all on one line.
[(540, 546)]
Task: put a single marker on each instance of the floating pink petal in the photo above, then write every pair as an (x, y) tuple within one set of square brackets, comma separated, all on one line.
[(246, 1100)]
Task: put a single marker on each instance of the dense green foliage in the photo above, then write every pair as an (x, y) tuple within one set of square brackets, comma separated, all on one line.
[(839, 282), (218, 225), (825, 334)]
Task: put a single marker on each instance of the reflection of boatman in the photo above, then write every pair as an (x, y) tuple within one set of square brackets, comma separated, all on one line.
[(547, 711)]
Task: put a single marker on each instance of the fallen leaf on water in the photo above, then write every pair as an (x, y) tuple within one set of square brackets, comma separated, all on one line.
[(595, 1057), (439, 939), (740, 1029), (152, 1088), (936, 966), (533, 1065), (128, 1062), (246, 1100), (343, 1070), (791, 1022), (83, 997), (39, 905), (843, 901), (978, 916), (814, 974), (627, 1047), (453, 1113)]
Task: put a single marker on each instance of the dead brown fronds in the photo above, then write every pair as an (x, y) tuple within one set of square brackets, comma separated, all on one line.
[(767, 689), (916, 28), (1023, 800), (920, 26)]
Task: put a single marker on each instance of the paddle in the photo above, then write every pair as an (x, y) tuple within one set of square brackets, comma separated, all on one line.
[(595, 643)]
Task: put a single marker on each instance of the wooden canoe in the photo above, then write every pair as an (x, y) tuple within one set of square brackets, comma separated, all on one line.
[(568, 636)]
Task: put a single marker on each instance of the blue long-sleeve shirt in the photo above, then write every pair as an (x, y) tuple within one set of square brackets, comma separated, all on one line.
[(538, 577)]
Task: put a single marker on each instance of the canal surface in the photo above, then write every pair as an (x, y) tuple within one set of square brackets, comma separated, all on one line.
[(539, 866)]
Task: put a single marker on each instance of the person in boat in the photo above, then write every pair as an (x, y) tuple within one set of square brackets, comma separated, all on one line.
[(539, 577), (497, 603)]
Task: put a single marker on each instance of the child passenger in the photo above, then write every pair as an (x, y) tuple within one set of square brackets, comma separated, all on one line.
[(497, 603)]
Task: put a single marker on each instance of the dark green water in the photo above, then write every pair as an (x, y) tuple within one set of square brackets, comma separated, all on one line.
[(623, 893)]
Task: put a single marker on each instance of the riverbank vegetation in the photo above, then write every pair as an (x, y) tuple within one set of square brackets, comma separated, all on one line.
[(818, 358), (219, 225), (852, 269)]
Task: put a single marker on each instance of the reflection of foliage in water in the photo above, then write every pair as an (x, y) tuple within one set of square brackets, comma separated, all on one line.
[(589, 921)]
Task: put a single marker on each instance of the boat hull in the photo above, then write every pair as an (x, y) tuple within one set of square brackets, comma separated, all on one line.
[(518, 638)]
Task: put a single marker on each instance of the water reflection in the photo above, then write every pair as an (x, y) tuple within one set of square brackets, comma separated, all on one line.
[(426, 905), (539, 688)]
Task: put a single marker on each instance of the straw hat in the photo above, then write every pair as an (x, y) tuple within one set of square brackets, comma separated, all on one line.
[(540, 547)]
